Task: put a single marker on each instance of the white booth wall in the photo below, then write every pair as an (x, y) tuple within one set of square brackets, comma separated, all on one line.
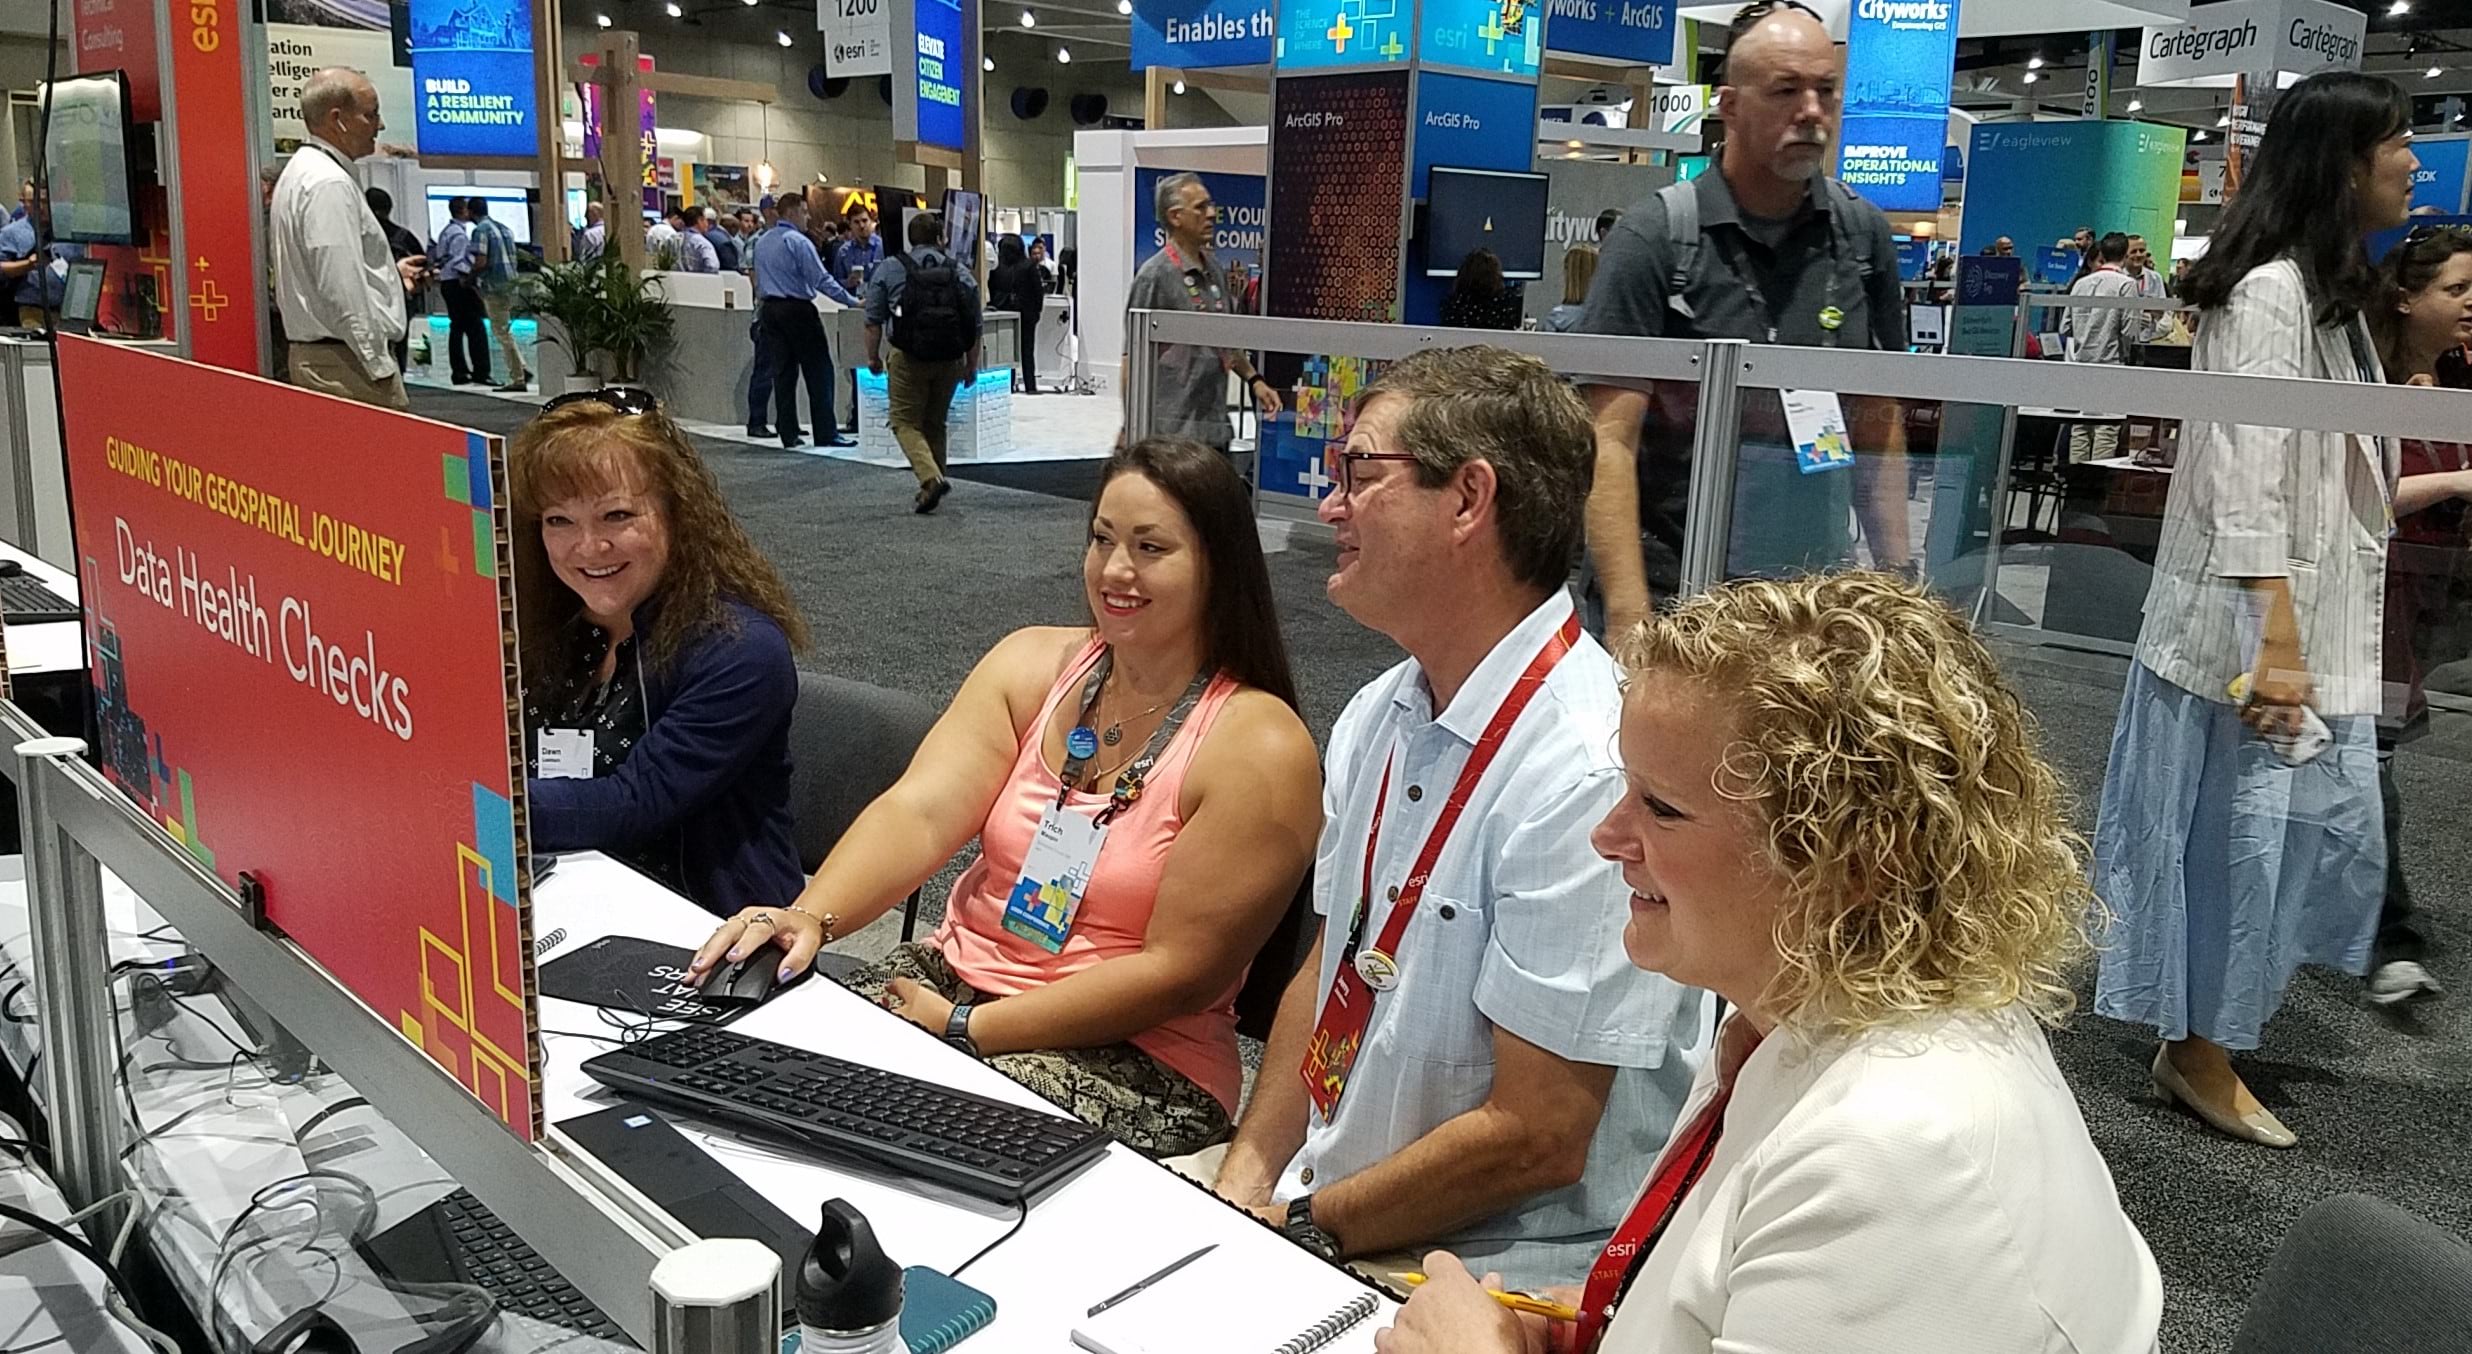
[(1104, 218)]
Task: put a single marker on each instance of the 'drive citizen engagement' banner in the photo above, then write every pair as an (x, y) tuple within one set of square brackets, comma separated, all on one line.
[(296, 609), (1898, 55), (935, 71), (1194, 34), (472, 77)]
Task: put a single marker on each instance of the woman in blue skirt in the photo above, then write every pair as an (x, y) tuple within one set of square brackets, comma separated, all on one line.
[(2240, 834)]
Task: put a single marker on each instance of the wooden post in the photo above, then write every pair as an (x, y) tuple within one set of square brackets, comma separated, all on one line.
[(622, 146), (1154, 99), (549, 224)]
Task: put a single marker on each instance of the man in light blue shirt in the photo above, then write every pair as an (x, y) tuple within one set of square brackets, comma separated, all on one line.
[(856, 256), (1512, 1075), (467, 318), (695, 251), (788, 278), (595, 235), (35, 283)]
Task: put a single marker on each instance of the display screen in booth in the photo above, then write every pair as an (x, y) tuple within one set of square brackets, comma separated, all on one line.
[(1471, 209), (472, 80), (89, 161), (509, 207), (298, 616)]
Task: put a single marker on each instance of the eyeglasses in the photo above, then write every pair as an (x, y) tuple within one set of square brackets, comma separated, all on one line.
[(624, 399), (2418, 235), (1339, 467), (1757, 10)]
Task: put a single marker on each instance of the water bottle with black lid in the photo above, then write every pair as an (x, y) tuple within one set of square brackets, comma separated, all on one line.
[(849, 1290)]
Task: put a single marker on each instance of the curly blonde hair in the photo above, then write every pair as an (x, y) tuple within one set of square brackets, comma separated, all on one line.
[(1924, 843)]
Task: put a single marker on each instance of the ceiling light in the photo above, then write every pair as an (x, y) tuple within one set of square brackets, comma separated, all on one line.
[(1124, 6), (601, 19), (783, 38), (1180, 86), (2197, 136), (987, 63), (1064, 56), (2399, 7), (672, 10), (2137, 105), (1575, 145), (1029, 20), (2031, 77), (2034, 63), (2224, 121), (2433, 73)]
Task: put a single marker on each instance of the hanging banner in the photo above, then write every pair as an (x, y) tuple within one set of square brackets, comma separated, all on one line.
[(1466, 123), (1898, 58), (119, 35), (1636, 31), (2231, 38), (472, 78), (218, 205), (1200, 34), (1497, 37), (858, 37), (2100, 48), (301, 666), (1319, 33), (1337, 183), (935, 85)]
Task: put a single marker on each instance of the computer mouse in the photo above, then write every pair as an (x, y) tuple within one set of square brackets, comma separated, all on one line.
[(744, 983)]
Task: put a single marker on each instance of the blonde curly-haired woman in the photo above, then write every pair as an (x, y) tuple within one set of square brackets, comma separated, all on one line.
[(1838, 822)]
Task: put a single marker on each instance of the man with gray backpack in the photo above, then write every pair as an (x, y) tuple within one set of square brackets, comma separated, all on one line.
[(931, 303), (1767, 248)]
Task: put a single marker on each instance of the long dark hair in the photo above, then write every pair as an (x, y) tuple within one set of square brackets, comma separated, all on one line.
[(1009, 252), (1480, 275), (2411, 269), (2298, 199), (1240, 620)]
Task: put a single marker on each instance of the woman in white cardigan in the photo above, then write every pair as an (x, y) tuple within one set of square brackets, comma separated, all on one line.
[(2229, 854), (1838, 823)]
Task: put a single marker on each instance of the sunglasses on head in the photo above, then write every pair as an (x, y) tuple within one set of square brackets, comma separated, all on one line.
[(1757, 10), (624, 399)]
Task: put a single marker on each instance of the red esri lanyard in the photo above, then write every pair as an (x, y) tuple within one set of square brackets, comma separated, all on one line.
[(1645, 1224), (1339, 1033)]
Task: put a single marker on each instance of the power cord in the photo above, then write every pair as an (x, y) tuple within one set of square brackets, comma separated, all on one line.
[(1020, 1217)]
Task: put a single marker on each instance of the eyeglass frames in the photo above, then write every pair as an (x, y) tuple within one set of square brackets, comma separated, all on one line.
[(624, 399), (1339, 467)]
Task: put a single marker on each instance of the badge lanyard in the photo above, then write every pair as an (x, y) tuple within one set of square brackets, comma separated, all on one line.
[(1348, 1009), (1683, 1164), (1830, 317), (1081, 745)]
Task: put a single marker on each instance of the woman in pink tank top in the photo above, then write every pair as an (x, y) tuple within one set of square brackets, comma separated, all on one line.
[(1145, 798)]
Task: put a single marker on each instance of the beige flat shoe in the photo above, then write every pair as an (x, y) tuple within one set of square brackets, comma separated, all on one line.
[(2262, 1127)]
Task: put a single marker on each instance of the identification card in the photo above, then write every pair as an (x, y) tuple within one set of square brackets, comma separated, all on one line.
[(566, 754), (1338, 1036), (1054, 874), (1817, 422)]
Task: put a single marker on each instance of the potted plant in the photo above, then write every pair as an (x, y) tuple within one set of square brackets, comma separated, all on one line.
[(570, 295), (633, 320)]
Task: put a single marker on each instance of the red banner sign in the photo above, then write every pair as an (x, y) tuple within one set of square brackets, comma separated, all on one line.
[(296, 608), (120, 35), (218, 206)]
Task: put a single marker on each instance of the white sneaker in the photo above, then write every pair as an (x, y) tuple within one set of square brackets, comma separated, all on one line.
[(2402, 980)]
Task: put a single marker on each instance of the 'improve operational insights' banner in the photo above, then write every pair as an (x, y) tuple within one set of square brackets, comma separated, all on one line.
[(472, 77), (1898, 55)]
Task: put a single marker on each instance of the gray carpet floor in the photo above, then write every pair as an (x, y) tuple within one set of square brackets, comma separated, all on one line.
[(2380, 1102)]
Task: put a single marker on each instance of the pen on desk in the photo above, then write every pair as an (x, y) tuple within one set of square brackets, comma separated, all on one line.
[(1517, 1302), (1180, 1264)]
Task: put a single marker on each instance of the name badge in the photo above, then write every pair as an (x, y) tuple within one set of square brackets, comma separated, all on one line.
[(566, 754), (1817, 423), (1054, 874)]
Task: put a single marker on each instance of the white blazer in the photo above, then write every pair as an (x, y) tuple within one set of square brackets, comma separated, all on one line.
[(1923, 1189), (2258, 502)]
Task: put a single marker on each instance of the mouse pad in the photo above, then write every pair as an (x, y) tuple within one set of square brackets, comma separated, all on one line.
[(626, 973)]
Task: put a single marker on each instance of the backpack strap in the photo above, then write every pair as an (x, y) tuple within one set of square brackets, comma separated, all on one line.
[(1681, 199), (1861, 240)]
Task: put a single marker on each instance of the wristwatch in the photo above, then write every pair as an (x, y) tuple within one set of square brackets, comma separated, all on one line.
[(1301, 1229), (957, 1030)]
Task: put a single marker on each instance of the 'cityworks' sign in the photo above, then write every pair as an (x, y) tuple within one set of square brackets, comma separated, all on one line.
[(2245, 37)]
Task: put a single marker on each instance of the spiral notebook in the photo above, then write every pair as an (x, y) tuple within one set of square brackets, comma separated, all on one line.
[(1196, 1311)]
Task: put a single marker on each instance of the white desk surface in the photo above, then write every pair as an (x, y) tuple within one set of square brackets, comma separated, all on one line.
[(1114, 1222), (53, 646)]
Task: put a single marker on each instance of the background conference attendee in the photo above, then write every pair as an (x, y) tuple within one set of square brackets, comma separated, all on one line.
[(788, 276), (931, 304), (1188, 384), (337, 281), (660, 235), (2228, 866), (1121, 1010), (1015, 285), (403, 244), (1838, 822), (1514, 1073), (467, 319), (2424, 309), (2102, 335), (1579, 264), (721, 232), (695, 249), (658, 678), (595, 236), (36, 283), (1783, 254), (1479, 298), (2152, 324), (494, 273), (858, 250)]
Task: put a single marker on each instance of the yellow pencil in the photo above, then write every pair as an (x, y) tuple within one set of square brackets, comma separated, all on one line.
[(1517, 1302)]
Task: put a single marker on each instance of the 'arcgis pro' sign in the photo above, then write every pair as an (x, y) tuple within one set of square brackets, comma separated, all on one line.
[(472, 81), (1898, 55)]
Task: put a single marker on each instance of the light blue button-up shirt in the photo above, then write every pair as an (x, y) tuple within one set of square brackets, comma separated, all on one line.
[(1520, 928), (452, 251), (786, 265), (42, 284)]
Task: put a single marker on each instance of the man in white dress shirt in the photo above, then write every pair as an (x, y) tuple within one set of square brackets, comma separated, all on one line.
[(1470, 1059), (337, 284)]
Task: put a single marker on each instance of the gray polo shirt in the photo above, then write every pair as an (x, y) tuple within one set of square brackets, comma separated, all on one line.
[(1188, 385), (1768, 282)]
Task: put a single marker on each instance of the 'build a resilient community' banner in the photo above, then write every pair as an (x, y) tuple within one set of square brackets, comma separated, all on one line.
[(298, 621), (472, 77), (1899, 54)]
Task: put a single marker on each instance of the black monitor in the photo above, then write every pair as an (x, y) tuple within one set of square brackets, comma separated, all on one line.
[(82, 301), (90, 161), (1471, 209), (965, 238)]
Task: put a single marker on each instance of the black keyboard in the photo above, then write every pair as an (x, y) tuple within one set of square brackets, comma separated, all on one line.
[(458, 1240), (980, 1146), (24, 600)]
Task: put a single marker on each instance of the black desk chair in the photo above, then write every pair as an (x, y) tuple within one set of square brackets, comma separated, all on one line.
[(1274, 967), (849, 741), (2358, 1274)]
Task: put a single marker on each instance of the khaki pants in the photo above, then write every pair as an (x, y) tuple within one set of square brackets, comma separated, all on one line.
[(30, 317), (2093, 441), (1202, 1168), (501, 307), (921, 395), (330, 369)]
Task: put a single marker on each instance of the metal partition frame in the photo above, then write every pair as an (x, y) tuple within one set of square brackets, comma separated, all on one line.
[(73, 820)]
